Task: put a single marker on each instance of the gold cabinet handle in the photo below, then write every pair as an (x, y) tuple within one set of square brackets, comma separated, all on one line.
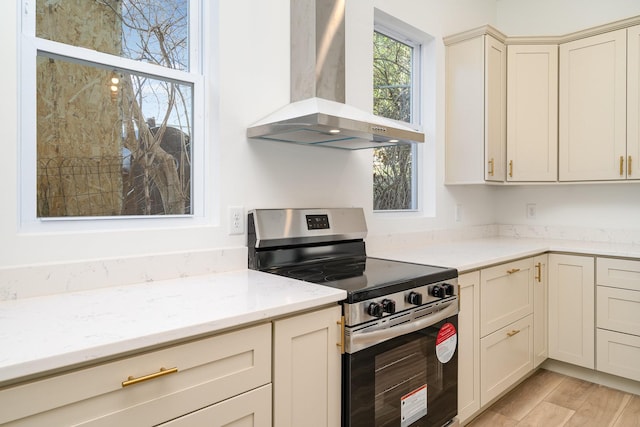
[(490, 173), (341, 343), (621, 165), (514, 332), (538, 276), (513, 270), (511, 168), (162, 372), (629, 166)]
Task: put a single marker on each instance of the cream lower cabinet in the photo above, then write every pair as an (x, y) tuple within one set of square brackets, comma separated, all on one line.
[(250, 409), (469, 345), (507, 356), (618, 314), (307, 370), (177, 380), (571, 309), (227, 379), (540, 310), (506, 326)]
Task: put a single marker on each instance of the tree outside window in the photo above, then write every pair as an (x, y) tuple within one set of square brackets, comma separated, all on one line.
[(394, 168), (113, 137)]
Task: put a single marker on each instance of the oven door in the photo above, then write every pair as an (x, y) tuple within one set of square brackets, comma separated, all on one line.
[(408, 381)]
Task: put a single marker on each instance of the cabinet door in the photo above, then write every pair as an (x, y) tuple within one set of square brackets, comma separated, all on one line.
[(633, 102), (464, 148), (250, 409), (506, 356), (532, 113), (495, 113), (307, 370), (540, 310), (593, 93), (469, 346), (507, 294), (618, 354), (571, 309)]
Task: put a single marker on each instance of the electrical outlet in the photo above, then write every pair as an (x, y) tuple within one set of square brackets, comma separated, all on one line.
[(236, 220), (458, 213), (531, 210)]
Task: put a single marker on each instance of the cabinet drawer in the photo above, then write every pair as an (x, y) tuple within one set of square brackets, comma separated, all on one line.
[(618, 310), (618, 354), (250, 409), (618, 273), (209, 370), (505, 356), (506, 294)]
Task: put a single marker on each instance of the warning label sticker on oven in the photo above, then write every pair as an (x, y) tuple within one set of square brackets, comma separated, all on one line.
[(446, 342), (413, 406)]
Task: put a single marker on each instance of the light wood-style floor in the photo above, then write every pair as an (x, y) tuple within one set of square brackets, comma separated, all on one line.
[(549, 399)]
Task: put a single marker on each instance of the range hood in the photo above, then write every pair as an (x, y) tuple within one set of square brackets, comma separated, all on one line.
[(317, 114)]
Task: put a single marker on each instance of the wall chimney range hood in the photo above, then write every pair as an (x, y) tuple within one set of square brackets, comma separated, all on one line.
[(317, 114)]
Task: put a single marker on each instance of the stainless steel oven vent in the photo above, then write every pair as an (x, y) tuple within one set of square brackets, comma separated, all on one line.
[(317, 114)]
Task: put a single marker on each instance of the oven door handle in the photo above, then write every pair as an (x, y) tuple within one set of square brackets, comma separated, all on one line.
[(362, 340)]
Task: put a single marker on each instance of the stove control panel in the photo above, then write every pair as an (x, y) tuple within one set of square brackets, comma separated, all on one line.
[(384, 306)]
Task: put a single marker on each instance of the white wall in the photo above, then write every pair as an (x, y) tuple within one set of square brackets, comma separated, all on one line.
[(553, 17)]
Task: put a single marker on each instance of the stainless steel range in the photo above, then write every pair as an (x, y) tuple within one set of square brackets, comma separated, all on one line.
[(400, 366)]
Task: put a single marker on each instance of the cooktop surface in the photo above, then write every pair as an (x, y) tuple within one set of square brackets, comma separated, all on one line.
[(366, 277)]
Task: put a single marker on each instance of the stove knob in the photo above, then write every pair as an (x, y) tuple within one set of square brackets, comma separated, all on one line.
[(415, 298), (375, 309), (448, 289), (437, 291), (389, 306)]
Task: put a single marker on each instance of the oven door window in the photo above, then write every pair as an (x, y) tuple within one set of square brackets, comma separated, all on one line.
[(402, 382)]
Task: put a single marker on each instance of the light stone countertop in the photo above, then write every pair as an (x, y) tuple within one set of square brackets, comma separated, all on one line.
[(473, 254), (48, 333)]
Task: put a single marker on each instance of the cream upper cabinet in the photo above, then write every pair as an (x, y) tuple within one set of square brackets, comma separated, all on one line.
[(495, 109), (476, 109), (633, 102), (469, 345), (571, 309), (593, 93), (532, 113)]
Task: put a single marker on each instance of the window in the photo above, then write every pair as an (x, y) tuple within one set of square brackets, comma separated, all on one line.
[(113, 87), (395, 89)]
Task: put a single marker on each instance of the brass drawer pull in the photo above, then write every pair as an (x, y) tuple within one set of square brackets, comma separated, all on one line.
[(511, 168), (629, 166), (490, 173), (513, 270), (538, 276), (341, 343), (162, 372), (514, 332), (621, 165)]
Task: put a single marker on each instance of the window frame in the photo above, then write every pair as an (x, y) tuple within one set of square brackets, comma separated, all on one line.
[(29, 48), (396, 32)]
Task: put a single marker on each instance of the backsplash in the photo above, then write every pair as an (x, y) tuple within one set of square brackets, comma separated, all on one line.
[(617, 236), (46, 279)]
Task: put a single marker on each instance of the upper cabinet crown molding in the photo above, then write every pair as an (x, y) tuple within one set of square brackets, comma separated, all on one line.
[(473, 33), (545, 40)]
